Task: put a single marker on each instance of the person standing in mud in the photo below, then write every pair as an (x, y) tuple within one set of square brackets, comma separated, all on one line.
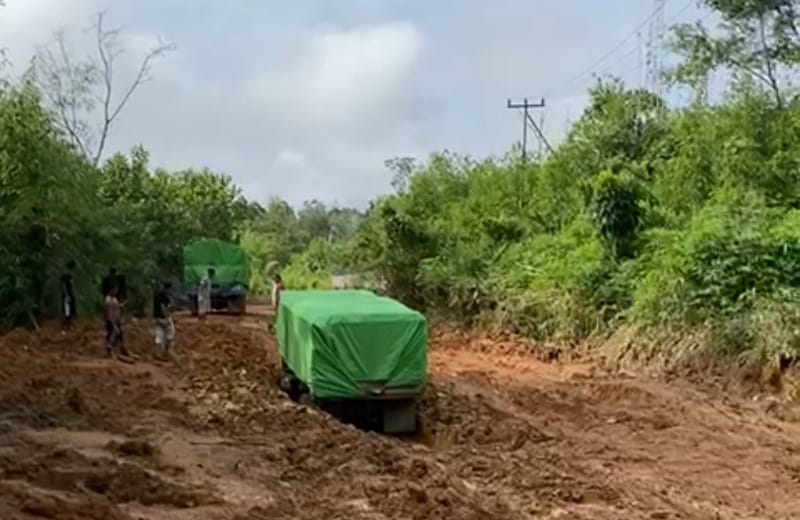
[(162, 316), (204, 294), (68, 303), (111, 279), (113, 314), (277, 287)]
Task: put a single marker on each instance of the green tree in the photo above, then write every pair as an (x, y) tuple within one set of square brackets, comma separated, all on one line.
[(759, 39), (617, 213), (313, 222), (47, 208)]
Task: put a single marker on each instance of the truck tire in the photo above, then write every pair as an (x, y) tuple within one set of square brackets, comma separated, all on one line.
[(284, 383), (399, 417), (236, 305), (287, 380), (289, 383), (241, 307)]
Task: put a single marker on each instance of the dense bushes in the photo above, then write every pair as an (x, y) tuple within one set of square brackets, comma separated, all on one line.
[(664, 218), (686, 218), (57, 207)]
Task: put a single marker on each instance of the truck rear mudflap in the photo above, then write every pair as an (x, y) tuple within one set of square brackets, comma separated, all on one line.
[(393, 416), (390, 410), (387, 410)]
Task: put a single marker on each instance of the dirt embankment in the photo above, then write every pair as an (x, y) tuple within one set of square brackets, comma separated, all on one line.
[(506, 434)]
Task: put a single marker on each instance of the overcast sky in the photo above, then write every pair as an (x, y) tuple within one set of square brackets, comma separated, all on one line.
[(306, 99)]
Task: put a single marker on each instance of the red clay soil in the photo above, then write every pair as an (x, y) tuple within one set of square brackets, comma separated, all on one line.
[(506, 434)]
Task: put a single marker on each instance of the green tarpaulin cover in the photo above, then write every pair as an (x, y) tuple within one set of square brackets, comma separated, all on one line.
[(351, 344), (228, 260)]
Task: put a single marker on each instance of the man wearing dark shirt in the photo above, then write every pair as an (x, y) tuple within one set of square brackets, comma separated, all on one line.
[(108, 281), (68, 304), (122, 288), (162, 316)]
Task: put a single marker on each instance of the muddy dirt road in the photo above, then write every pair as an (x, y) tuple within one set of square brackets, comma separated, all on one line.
[(209, 436)]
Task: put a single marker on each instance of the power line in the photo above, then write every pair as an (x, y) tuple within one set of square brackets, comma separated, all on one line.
[(683, 10), (616, 62), (528, 121), (608, 68), (608, 54), (621, 44)]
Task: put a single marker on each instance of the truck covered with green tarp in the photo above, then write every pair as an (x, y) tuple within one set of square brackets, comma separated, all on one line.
[(353, 352), (231, 273)]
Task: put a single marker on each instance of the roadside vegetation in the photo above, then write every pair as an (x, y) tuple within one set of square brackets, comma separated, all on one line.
[(664, 218)]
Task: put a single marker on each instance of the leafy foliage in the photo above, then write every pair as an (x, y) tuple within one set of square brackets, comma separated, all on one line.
[(644, 214), (57, 207), (44, 191), (616, 213), (759, 40), (659, 217)]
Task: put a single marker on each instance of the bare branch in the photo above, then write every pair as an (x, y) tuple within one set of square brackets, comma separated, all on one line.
[(106, 58), (74, 89), (73, 124), (108, 50), (60, 81), (71, 130)]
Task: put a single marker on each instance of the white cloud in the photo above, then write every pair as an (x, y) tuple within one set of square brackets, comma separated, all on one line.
[(306, 100), (345, 82), (290, 158), (27, 24), (358, 73), (346, 99)]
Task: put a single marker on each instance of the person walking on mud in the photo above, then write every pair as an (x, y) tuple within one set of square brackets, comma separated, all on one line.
[(110, 280), (277, 287), (68, 304), (204, 294), (162, 316), (113, 313)]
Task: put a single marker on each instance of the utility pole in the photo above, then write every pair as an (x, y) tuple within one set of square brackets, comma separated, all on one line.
[(542, 138), (541, 127), (526, 106)]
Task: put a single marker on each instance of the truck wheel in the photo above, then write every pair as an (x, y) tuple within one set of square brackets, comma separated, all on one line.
[(284, 379), (235, 306), (292, 386), (399, 417), (284, 384), (294, 390)]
